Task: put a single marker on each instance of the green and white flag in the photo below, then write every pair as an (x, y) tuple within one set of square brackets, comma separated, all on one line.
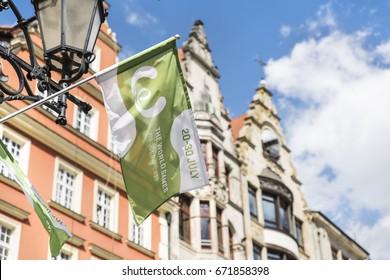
[(153, 127), (58, 232)]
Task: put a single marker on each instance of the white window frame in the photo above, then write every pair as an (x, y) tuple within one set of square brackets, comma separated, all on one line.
[(113, 226), (44, 95), (25, 146), (94, 122), (95, 65), (71, 251), (110, 140), (15, 238), (145, 227), (78, 177)]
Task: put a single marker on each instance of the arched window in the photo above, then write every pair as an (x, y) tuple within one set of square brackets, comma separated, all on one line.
[(277, 202)]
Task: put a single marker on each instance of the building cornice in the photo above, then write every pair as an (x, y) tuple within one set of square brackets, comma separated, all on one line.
[(11, 183), (107, 39), (66, 211), (103, 253), (141, 249), (76, 241), (13, 211), (105, 231)]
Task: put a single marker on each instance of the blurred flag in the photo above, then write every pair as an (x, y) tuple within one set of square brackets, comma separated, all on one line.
[(58, 232)]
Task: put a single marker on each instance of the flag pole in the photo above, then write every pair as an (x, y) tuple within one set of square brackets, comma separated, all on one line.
[(54, 95)]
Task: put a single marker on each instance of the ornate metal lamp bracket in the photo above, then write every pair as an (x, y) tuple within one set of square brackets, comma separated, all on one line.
[(34, 72)]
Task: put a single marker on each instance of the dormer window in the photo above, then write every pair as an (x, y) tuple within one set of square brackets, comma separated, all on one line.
[(271, 144)]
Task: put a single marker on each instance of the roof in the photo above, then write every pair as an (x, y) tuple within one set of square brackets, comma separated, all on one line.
[(236, 124), (180, 52), (330, 223)]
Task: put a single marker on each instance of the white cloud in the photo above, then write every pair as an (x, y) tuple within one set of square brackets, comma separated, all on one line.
[(126, 52), (324, 18), (376, 236), (340, 128), (285, 30), (137, 16), (383, 51), (141, 20)]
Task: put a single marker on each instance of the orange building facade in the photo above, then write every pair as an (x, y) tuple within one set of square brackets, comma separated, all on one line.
[(73, 168)]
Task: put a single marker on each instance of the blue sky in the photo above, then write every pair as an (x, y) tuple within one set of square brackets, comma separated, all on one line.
[(328, 67)]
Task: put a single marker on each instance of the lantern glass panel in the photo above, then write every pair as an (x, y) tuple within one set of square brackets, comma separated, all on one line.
[(78, 15), (49, 14), (94, 31)]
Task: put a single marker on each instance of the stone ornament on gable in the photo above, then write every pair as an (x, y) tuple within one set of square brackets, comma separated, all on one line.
[(276, 187)]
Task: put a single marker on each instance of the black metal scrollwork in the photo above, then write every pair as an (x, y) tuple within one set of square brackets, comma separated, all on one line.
[(36, 72)]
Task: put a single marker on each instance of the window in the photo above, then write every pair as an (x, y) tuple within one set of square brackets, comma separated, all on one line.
[(276, 212), (67, 186), (284, 215), (205, 225), (12, 146), (334, 253), (141, 235), (252, 202), (9, 238), (5, 240), (44, 94), (110, 141), (256, 252), (83, 122), (278, 255), (231, 244), (299, 232), (87, 123), (106, 207), (95, 65), (18, 147), (67, 253), (184, 219), (204, 150), (137, 233), (216, 161), (62, 256), (219, 230), (228, 171)]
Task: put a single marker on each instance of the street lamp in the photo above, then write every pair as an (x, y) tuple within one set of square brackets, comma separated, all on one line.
[(69, 29)]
